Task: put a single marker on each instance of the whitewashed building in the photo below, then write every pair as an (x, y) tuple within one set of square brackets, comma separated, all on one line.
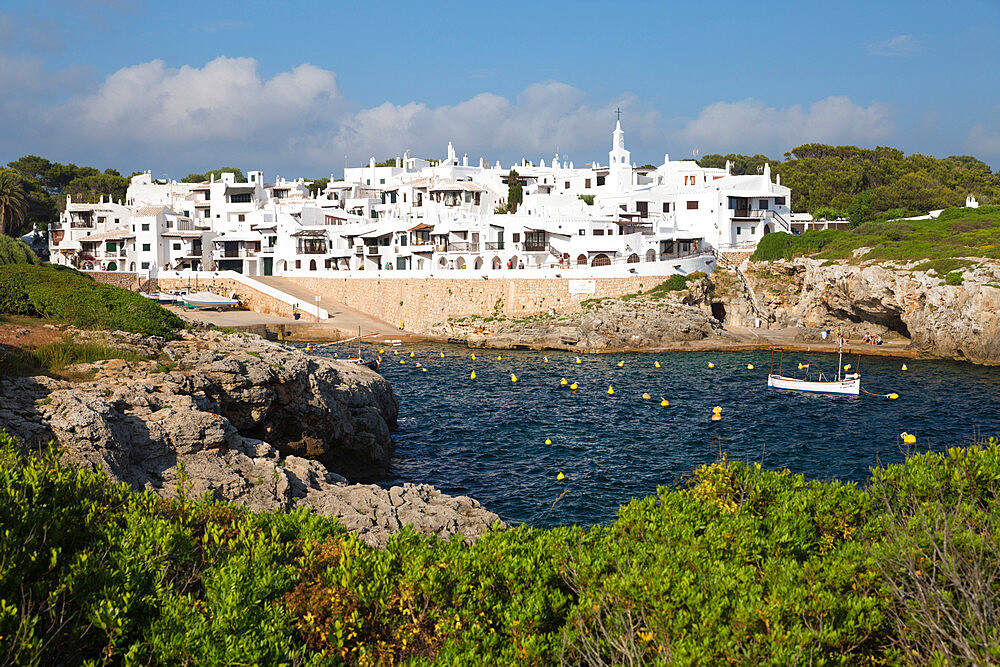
[(418, 215)]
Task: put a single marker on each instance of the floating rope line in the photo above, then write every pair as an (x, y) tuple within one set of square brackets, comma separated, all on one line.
[(892, 395)]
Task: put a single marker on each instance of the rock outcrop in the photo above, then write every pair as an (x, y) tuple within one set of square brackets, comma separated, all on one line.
[(953, 321), (635, 322), (243, 419)]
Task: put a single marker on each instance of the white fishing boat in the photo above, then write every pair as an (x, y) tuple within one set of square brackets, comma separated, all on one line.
[(207, 300), (849, 383)]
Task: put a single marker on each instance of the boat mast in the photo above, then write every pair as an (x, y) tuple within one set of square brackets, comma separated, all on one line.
[(840, 359)]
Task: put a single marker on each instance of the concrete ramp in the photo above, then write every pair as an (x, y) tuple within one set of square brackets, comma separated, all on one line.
[(339, 316)]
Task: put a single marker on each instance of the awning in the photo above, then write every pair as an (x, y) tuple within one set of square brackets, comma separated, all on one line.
[(310, 232), (422, 225)]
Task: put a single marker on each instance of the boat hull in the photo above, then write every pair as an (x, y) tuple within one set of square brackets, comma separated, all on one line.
[(850, 386)]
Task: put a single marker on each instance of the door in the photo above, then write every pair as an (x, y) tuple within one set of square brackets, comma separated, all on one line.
[(268, 266)]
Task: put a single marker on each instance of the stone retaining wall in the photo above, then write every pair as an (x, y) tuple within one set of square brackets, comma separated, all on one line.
[(418, 303)]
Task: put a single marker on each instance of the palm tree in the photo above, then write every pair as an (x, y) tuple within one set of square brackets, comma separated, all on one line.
[(13, 204)]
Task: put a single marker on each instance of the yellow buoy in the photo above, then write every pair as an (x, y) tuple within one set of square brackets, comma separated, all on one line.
[(560, 477), (335, 354), (472, 375), (513, 378), (749, 367), (423, 370), (800, 365), (847, 367), (548, 441), (381, 351), (307, 349), (402, 361), (645, 396), (442, 355), (621, 364), (908, 438), (611, 390), (664, 402), (473, 357), (578, 360), (418, 365), (412, 355), (573, 386), (563, 382), (499, 357), (711, 365), (904, 368), (893, 396), (656, 364), (716, 410), (395, 351), (545, 360), (716, 417)]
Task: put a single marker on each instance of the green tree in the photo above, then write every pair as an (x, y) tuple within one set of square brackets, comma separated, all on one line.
[(318, 185), (90, 188), (515, 194), (13, 204)]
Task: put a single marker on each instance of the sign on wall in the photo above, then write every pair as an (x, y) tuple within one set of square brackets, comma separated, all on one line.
[(582, 286)]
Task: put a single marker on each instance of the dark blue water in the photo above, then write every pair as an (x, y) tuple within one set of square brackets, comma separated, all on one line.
[(486, 437)]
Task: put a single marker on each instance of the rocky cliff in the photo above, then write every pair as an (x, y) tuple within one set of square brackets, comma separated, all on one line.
[(957, 321), (635, 322), (242, 419)]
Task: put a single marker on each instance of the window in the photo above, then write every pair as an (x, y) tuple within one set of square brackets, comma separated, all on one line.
[(666, 207), (763, 204), (271, 240), (240, 198), (145, 226), (110, 246), (739, 230), (583, 232), (176, 246), (516, 238), (598, 232), (298, 264), (692, 206), (404, 197), (567, 185), (145, 247), (779, 201), (208, 195), (586, 183), (241, 218), (187, 214), (600, 181), (145, 265), (381, 181), (368, 181)]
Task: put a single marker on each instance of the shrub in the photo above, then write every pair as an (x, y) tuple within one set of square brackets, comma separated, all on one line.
[(76, 299), (16, 251), (740, 565)]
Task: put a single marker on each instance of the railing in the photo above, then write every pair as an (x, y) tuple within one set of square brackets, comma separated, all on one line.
[(228, 254), (461, 246), (307, 251), (535, 246), (490, 245), (373, 249)]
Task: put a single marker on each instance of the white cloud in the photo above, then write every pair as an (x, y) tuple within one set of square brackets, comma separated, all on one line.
[(899, 46), (750, 125), (226, 100)]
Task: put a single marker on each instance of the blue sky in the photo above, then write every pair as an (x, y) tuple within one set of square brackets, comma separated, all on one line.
[(292, 88)]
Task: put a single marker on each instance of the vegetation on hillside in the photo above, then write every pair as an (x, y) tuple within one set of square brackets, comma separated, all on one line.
[(869, 184), (69, 297), (956, 233), (16, 251), (660, 291), (13, 203), (740, 565), (55, 359)]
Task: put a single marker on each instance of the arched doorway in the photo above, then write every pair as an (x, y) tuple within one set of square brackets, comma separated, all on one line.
[(460, 262), (767, 229), (312, 264), (478, 264), (512, 262), (497, 263), (112, 266), (650, 255), (632, 259), (131, 267), (601, 260), (443, 262), (282, 266), (581, 260)]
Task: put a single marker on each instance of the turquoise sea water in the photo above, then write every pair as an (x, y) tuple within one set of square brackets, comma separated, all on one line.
[(486, 437)]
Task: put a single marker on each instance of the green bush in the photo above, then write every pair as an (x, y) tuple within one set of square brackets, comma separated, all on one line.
[(16, 251), (68, 296), (740, 565)]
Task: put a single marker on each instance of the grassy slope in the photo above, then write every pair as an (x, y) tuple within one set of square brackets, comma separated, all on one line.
[(958, 233), (742, 565)]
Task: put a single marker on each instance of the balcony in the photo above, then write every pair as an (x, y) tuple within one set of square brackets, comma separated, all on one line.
[(307, 251), (461, 246), (535, 246), (235, 254), (494, 246)]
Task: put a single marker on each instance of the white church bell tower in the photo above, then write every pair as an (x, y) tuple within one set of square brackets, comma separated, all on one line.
[(618, 159)]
